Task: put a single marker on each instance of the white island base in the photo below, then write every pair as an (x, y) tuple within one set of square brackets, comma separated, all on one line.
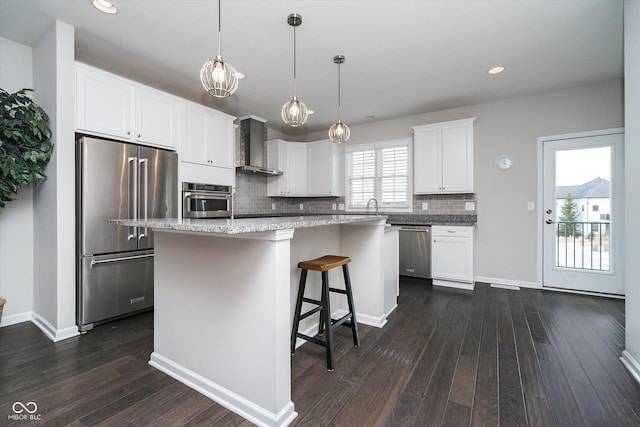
[(224, 303)]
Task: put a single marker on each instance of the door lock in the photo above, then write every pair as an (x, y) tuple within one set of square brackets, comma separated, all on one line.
[(549, 211), (549, 221)]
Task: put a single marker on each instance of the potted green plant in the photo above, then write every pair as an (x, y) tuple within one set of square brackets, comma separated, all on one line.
[(25, 145), (25, 142)]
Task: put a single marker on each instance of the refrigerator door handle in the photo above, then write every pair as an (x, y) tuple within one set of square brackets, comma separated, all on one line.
[(128, 258), (144, 187), (133, 194)]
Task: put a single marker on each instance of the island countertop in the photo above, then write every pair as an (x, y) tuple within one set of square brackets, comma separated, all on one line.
[(245, 225)]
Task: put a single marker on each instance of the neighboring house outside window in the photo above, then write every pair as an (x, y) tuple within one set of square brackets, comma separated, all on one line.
[(592, 196), (379, 171)]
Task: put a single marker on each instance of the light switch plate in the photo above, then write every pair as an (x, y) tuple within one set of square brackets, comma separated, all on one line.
[(531, 206), (301, 206), (469, 206), (273, 206), (425, 206), (334, 206), (341, 206)]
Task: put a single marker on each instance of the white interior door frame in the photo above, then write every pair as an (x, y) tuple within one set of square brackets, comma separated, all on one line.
[(540, 195)]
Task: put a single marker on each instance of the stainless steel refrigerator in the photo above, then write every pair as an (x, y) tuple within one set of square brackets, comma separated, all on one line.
[(117, 180)]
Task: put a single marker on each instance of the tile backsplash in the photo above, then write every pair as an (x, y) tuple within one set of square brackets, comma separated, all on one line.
[(251, 198)]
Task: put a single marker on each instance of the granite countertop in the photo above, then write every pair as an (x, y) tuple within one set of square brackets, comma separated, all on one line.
[(403, 219), (245, 225)]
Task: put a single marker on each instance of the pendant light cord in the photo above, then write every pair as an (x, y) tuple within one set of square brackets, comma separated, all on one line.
[(219, 28), (339, 108), (294, 61)]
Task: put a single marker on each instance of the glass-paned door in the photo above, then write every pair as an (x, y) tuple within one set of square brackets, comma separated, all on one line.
[(583, 213)]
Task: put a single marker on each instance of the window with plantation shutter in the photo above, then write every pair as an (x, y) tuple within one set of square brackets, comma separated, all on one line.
[(379, 171)]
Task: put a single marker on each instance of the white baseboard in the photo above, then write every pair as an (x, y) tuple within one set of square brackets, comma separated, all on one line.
[(631, 364), (450, 284), (241, 406), (15, 319), (508, 282), (51, 331)]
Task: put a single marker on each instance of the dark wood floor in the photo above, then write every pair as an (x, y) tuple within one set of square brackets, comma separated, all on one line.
[(447, 357)]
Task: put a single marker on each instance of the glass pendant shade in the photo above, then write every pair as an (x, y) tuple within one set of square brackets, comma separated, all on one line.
[(219, 78), (295, 113), (339, 132)]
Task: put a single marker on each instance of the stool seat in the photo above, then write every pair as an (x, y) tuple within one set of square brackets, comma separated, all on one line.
[(324, 263), (326, 324)]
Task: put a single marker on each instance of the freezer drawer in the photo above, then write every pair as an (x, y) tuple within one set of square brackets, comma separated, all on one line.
[(114, 285), (414, 256)]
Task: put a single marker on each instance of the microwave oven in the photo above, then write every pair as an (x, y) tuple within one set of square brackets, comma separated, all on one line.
[(206, 200)]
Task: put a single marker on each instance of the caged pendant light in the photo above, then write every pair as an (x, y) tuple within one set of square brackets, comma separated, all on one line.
[(339, 132), (218, 77), (294, 112)]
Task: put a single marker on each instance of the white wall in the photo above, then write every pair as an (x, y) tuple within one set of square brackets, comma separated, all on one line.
[(632, 178), (16, 218), (506, 248), (54, 198)]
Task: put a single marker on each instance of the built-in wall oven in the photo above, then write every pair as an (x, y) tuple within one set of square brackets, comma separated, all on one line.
[(206, 200)]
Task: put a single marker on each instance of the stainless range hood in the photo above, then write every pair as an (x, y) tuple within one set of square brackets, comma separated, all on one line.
[(252, 133)]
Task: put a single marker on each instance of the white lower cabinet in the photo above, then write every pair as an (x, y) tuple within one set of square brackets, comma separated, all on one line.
[(452, 256)]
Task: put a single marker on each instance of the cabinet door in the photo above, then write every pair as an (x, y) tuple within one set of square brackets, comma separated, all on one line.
[(320, 168), (457, 158), (220, 141), (104, 104), (157, 118), (427, 163), (452, 258), (194, 135), (295, 171), (276, 159)]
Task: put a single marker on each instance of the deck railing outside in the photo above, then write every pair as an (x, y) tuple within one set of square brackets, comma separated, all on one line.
[(583, 245)]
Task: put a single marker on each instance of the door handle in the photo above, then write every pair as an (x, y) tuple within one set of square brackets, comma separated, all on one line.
[(549, 221), (144, 165), (133, 189)]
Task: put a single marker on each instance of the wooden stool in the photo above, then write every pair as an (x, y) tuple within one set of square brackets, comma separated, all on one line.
[(326, 324)]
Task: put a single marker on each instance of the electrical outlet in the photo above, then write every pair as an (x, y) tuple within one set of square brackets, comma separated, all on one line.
[(425, 206), (301, 206), (469, 206), (273, 206), (334, 206)]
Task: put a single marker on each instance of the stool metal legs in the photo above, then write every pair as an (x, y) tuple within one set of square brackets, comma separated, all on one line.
[(326, 323)]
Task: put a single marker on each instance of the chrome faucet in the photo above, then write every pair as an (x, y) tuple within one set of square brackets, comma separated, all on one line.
[(370, 200)]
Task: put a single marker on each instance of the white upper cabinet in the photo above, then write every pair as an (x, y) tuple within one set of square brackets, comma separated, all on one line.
[(157, 118), (104, 104), (111, 106), (291, 159), (325, 169), (207, 136), (443, 157)]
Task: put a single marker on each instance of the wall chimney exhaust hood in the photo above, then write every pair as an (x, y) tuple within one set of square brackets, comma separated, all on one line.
[(252, 133)]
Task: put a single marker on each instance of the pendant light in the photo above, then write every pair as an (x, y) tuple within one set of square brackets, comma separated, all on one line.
[(294, 112), (218, 77), (339, 132)]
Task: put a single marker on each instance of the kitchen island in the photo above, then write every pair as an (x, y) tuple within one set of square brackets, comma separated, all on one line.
[(224, 296)]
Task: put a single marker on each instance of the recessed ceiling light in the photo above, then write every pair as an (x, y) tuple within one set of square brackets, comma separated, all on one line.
[(105, 6), (496, 70), (310, 111), (370, 117), (240, 76)]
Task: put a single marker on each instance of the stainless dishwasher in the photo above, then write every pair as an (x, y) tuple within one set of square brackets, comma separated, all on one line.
[(415, 251)]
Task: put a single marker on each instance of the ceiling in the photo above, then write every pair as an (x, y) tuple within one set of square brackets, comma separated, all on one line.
[(403, 57)]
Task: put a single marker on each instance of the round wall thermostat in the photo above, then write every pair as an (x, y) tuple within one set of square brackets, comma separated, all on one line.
[(504, 162)]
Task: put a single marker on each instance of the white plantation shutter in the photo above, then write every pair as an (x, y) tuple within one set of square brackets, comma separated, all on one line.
[(379, 171)]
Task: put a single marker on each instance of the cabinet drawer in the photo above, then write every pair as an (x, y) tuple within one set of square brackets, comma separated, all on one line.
[(452, 231)]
